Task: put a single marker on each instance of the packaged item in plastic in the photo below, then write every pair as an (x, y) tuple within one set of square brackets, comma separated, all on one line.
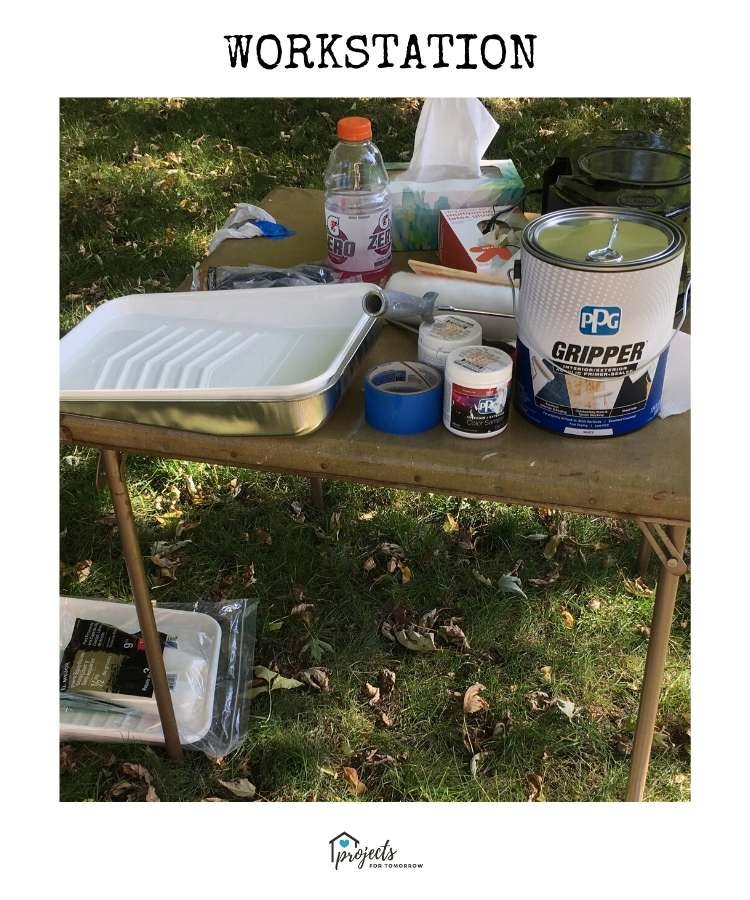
[(208, 656), (226, 278)]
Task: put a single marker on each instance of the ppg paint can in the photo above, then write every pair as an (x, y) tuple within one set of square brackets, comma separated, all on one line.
[(475, 394), (595, 318)]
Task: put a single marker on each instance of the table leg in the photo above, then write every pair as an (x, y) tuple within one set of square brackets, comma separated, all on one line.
[(316, 492), (661, 625), (142, 598), (644, 557)]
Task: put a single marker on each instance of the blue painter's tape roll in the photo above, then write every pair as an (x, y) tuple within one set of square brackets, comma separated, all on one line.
[(403, 397)]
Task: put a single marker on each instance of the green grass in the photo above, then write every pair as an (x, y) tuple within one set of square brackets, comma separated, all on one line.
[(144, 183)]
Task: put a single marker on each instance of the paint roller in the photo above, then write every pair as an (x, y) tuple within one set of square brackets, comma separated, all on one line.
[(411, 299)]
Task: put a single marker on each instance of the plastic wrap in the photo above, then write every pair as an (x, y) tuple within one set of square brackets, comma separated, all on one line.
[(208, 656), (224, 278)]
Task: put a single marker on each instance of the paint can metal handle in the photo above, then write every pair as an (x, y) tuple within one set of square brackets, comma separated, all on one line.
[(514, 272)]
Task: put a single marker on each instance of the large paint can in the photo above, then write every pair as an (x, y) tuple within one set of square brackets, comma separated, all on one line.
[(595, 318)]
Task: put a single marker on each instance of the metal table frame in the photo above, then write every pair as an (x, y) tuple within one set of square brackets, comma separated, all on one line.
[(666, 541)]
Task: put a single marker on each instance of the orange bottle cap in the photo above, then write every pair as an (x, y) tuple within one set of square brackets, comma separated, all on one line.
[(354, 128)]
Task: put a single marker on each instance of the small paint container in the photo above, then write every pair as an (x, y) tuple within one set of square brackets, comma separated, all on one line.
[(475, 393), (443, 335)]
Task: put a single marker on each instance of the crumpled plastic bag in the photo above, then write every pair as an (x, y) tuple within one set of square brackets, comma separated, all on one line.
[(240, 224), (452, 136)]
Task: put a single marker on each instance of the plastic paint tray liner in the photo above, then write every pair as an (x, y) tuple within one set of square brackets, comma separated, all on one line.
[(192, 664), (262, 344)]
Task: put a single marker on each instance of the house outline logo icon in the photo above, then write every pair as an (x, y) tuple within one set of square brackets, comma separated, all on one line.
[(347, 840)]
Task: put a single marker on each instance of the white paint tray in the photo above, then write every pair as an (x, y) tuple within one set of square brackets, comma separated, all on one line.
[(191, 666), (260, 361)]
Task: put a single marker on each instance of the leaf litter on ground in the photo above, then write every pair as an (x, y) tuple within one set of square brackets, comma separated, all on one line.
[(242, 788), (134, 785), (418, 634), (381, 697)]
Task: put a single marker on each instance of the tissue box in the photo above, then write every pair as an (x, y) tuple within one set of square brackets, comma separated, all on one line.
[(463, 245), (417, 205)]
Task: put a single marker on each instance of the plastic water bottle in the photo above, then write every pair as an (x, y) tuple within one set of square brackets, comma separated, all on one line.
[(357, 203)]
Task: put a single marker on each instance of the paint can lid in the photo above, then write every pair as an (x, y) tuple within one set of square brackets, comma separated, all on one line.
[(603, 237), (445, 333)]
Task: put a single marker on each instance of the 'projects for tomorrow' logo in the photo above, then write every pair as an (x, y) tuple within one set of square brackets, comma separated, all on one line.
[(346, 850)]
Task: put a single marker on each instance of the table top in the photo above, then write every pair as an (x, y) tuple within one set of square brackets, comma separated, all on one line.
[(645, 474)]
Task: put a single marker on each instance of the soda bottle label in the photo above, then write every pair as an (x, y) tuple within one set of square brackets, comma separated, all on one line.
[(359, 245)]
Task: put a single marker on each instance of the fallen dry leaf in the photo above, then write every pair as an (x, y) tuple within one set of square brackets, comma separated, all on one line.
[(594, 604), (303, 611), (478, 760), (413, 639), (140, 789), (136, 770), (356, 786), (567, 618), (637, 586), (384, 718), (241, 788), (472, 702), (189, 484), (386, 629), (567, 708), (390, 549), (183, 527), (248, 575), (428, 619), (406, 575), (316, 678), (546, 672), (466, 539), (368, 516), (535, 785), (454, 635), (82, 570), (386, 681), (67, 758), (369, 564), (372, 693), (450, 526), (553, 544), (548, 579), (538, 701)]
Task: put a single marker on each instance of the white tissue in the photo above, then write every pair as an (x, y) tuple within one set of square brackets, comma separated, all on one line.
[(452, 136), (675, 395), (238, 226)]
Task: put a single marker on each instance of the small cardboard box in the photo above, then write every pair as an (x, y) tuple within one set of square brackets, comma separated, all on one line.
[(416, 205), (474, 240)]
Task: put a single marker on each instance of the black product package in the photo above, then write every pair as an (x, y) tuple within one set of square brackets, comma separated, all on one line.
[(100, 657)]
